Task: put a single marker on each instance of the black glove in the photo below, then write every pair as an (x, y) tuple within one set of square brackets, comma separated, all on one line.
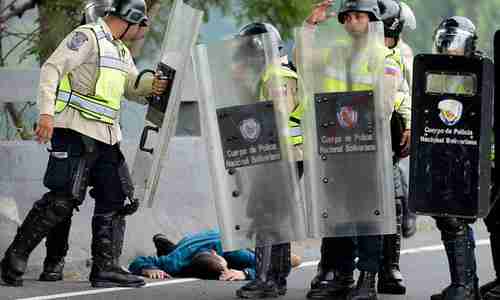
[(130, 208)]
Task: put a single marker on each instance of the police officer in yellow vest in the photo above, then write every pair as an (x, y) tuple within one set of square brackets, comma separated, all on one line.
[(394, 16), (81, 87), (272, 272), (457, 36), (335, 271)]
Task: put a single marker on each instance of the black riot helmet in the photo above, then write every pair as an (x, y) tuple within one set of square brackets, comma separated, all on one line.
[(367, 6), (132, 11), (390, 14), (96, 9), (455, 33), (259, 28)]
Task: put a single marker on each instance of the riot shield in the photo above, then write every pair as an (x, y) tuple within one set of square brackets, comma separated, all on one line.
[(254, 175), (180, 37), (348, 164), (451, 135)]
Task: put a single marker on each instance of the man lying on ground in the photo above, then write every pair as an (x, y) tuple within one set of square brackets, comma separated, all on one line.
[(197, 255)]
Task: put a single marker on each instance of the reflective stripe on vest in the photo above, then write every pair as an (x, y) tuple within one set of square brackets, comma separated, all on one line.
[(403, 89), (337, 79), (294, 129), (294, 124), (78, 101), (112, 72)]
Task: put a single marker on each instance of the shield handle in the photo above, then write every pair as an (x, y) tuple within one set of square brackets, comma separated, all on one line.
[(144, 137)]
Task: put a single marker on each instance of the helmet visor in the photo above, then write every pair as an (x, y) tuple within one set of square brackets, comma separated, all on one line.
[(136, 16), (451, 41)]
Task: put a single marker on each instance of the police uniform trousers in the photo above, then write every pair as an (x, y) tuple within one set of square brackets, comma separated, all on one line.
[(50, 216)]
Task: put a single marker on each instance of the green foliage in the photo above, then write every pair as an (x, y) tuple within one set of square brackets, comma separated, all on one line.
[(284, 14)]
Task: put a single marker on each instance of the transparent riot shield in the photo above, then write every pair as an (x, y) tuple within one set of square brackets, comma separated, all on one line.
[(452, 111), (180, 37), (252, 167), (348, 164)]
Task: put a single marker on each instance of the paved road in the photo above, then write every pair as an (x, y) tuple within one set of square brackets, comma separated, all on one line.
[(423, 263)]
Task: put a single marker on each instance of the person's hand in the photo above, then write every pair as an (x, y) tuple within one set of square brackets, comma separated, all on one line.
[(232, 275), (159, 84), (155, 274), (44, 128), (405, 143), (320, 13)]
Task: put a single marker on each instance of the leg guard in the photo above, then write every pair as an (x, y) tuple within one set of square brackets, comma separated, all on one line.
[(281, 265), (107, 241), (41, 219), (264, 285), (57, 248), (459, 244), (390, 278)]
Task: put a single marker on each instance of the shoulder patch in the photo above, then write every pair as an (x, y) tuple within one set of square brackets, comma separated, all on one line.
[(78, 39)]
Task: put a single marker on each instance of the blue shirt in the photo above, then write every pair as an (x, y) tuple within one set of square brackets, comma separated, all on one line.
[(189, 246)]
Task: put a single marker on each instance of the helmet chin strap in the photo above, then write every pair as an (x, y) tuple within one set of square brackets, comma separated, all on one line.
[(123, 34)]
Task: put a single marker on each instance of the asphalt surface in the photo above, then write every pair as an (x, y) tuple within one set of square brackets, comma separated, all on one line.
[(423, 264)]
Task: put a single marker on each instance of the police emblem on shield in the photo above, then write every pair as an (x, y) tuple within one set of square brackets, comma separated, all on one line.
[(250, 129), (450, 111), (347, 117)]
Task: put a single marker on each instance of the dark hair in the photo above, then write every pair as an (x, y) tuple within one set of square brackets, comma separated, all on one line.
[(205, 265)]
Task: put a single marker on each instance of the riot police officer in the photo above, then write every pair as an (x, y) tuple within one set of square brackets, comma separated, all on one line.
[(335, 270), (80, 91), (273, 263), (457, 36), (395, 17)]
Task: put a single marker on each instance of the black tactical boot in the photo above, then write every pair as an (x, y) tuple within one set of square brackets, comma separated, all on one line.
[(162, 244), (365, 287), (491, 290), (107, 241), (45, 214), (265, 284), (462, 264), (57, 248), (390, 280), (330, 283)]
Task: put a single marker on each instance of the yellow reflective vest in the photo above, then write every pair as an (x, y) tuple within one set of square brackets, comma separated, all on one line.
[(338, 79), (112, 72), (295, 130)]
